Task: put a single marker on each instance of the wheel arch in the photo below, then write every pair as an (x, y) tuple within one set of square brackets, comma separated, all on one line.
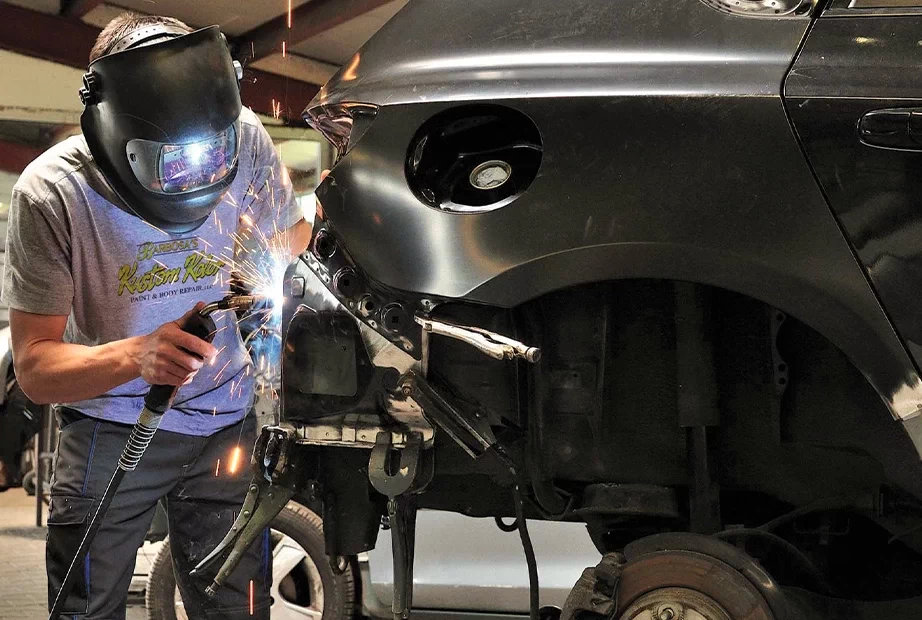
[(866, 339)]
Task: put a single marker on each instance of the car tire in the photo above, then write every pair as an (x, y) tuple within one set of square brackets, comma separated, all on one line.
[(298, 524), (161, 586)]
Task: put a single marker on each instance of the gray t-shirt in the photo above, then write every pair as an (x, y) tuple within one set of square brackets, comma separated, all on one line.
[(71, 251)]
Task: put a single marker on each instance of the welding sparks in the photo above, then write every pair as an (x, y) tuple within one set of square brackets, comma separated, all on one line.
[(223, 368), (217, 468), (256, 258), (289, 14), (276, 110), (284, 53), (219, 351), (235, 460), (252, 599)]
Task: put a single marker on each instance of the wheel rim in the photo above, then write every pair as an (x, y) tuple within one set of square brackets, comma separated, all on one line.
[(287, 558), (297, 587), (675, 604)]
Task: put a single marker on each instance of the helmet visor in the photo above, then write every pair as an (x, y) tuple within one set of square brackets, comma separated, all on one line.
[(181, 168)]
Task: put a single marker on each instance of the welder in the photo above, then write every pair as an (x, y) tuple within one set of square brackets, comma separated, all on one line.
[(115, 236)]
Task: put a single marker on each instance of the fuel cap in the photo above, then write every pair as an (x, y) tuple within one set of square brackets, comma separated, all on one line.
[(490, 174)]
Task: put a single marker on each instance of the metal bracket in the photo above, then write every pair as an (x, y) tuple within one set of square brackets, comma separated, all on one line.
[(471, 433), (356, 430), (385, 477), (780, 370)]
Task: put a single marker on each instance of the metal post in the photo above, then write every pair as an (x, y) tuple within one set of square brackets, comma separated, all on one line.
[(39, 473), (44, 456), (698, 403)]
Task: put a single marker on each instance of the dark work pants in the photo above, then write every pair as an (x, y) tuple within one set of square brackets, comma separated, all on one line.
[(202, 499)]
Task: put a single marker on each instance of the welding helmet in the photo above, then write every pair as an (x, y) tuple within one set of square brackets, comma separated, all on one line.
[(162, 120)]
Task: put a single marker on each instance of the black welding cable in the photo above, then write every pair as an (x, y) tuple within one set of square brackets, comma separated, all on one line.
[(88, 537), (506, 527), (533, 592), (140, 438)]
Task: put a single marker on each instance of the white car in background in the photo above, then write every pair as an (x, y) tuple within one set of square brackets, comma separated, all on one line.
[(464, 567)]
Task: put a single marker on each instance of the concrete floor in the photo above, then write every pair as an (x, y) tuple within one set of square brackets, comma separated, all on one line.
[(23, 588)]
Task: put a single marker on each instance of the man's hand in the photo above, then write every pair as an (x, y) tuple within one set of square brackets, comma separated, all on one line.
[(170, 356)]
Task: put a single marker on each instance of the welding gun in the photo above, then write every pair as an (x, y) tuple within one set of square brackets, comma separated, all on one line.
[(157, 402)]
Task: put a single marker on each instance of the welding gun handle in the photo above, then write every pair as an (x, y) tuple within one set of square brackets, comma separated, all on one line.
[(160, 397)]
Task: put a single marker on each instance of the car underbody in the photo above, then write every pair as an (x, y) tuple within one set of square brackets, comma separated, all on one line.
[(655, 408), (653, 273)]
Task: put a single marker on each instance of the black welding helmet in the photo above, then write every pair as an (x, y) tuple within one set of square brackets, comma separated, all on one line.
[(162, 121)]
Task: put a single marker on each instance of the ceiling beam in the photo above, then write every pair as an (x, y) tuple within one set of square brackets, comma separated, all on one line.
[(14, 156), (69, 41), (61, 40), (297, 67), (276, 95), (78, 8), (308, 20)]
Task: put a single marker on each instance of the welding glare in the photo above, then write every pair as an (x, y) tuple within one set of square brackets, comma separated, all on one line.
[(195, 152)]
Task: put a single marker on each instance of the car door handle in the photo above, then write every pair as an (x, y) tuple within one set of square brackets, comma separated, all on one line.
[(893, 128)]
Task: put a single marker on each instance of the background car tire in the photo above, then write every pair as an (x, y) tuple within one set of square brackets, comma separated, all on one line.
[(306, 528), (161, 586), (296, 522)]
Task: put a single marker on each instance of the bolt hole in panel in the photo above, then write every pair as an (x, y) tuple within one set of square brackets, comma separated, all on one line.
[(473, 158)]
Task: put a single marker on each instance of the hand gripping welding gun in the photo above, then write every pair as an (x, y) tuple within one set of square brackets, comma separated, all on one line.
[(158, 401)]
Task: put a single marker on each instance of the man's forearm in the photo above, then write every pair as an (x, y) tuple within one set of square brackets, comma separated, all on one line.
[(56, 372)]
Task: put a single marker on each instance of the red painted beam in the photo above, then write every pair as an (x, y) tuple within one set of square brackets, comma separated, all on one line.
[(68, 42), (308, 20), (14, 157), (78, 8), (61, 40)]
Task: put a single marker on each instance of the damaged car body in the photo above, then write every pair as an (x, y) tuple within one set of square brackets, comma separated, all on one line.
[(649, 266)]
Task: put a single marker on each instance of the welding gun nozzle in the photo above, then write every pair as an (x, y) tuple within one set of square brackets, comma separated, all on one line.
[(231, 302), (239, 302)]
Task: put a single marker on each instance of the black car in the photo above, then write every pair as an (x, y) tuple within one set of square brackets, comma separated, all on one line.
[(654, 266)]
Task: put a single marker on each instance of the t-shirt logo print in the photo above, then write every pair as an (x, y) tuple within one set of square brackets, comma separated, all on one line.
[(156, 266)]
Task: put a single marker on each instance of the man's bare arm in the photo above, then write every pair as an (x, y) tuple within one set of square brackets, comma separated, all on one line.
[(298, 236), (52, 371), (294, 239)]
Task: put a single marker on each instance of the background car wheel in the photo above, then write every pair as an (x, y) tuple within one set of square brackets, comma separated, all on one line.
[(303, 583)]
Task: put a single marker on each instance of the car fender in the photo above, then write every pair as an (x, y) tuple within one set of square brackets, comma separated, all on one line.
[(870, 343)]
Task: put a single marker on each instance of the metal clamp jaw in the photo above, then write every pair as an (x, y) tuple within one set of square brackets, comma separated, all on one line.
[(490, 343), (278, 474)]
